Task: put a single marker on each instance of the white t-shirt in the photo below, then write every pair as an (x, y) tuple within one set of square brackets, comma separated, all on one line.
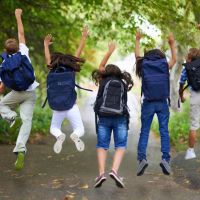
[(25, 51)]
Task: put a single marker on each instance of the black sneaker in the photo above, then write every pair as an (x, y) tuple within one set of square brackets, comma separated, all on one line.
[(143, 164), (99, 180), (165, 167), (118, 180)]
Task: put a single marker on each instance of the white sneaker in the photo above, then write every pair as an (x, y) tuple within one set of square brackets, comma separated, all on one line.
[(58, 145), (78, 142), (190, 154)]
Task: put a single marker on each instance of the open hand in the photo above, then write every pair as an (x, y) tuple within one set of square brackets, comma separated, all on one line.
[(138, 35), (111, 46), (171, 39), (85, 31), (48, 40)]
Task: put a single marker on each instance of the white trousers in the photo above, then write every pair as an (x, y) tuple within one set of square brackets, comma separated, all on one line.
[(73, 116)]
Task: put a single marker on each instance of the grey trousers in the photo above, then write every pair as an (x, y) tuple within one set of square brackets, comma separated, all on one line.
[(26, 101)]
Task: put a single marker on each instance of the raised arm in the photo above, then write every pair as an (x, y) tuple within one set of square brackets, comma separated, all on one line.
[(20, 27), (47, 43), (171, 42), (137, 44), (111, 48), (85, 34)]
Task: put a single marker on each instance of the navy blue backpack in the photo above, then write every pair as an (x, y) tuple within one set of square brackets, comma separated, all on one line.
[(155, 77), (61, 94), (16, 71)]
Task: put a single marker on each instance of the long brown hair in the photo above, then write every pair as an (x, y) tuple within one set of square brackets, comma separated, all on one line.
[(113, 70), (156, 52), (66, 60)]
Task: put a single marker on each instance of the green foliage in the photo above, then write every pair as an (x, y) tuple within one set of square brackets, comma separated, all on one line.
[(40, 124), (178, 127)]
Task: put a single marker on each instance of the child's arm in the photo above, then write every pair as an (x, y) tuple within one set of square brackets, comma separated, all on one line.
[(171, 42), (2, 87), (85, 34), (20, 27), (137, 44), (111, 48), (47, 42)]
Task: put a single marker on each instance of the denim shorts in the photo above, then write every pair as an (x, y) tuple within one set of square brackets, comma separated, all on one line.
[(105, 126)]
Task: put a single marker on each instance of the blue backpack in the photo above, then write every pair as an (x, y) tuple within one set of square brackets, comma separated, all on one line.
[(155, 78), (61, 94), (16, 71)]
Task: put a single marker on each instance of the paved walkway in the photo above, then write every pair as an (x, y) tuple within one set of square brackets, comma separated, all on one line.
[(70, 175)]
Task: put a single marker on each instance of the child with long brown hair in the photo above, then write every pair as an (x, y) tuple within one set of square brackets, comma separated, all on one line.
[(112, 113), (61, 92)]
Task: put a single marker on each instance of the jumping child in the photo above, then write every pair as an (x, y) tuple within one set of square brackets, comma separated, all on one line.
[(23, 90), (191, 74), (112, 113), (153, 69), (61, 92)]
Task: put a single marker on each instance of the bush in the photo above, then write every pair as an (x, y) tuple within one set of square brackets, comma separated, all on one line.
[(41, 123), (178, 127)]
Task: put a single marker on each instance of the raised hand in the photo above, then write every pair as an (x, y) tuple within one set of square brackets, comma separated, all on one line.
[(18, 12), (171, 39), (111, 46), (48, 40), (138, 35), (85, 31)]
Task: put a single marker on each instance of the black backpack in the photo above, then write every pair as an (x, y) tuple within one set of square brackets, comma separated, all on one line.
[(193, 74), (111, 98)]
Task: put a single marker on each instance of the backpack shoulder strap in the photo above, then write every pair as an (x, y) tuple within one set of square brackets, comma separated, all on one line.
[(79, 87)]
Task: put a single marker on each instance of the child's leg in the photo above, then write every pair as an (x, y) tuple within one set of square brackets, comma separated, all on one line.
[(26, 114), (101, 157), (120, 137), (194, 123), (74, 117), (55, 129), (56, 123), (104, 130), (163, 119), (147, 113), (8, 102)]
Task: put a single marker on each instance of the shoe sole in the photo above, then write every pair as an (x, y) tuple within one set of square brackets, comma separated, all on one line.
[(118, 182), (99, 183), (80, 146), (19, 164), (193, 157), (165, 172), (58, 145), (143, 170)]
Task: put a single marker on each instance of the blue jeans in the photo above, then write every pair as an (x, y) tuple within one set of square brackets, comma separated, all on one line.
[(148, 110), (117, 124)]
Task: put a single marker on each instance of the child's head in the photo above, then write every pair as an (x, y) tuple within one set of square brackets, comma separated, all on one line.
[(154, 53), (112, 70), (11, 46), (60, 59), (193, 54)]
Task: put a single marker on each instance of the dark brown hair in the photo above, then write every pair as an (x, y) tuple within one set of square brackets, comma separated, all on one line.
[(113, 70), (156, 52), (11, 46), (66, 60)]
